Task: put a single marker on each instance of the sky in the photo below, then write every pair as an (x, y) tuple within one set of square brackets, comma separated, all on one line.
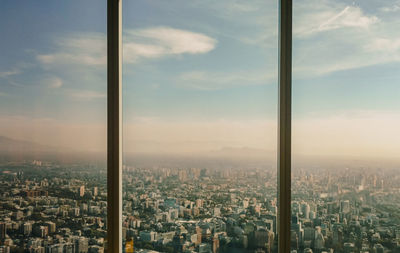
[(201, 75)]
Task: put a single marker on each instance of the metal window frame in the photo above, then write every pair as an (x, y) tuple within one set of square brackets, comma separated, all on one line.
[(114, 125), (285, 125)]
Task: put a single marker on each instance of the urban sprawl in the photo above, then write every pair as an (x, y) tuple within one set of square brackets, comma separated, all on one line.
[(47, 207)]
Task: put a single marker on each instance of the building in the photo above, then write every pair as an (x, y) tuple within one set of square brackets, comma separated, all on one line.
[(3, 231), (4, 249), (305, 210), (96, 249), (95, 191), (41, 231), (148, 236), (27, 228), (82, 191), (81, 245), (34, 193), (345, 206), (52, 226)]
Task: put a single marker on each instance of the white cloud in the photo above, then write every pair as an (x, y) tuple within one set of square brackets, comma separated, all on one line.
[(344, 51), (203, 80), (53, 82), (158, 42), (330, 36), (393, 8), (314, 17), (9, 73), (383, 45), (80, 49), (348, 17), (250, 22)]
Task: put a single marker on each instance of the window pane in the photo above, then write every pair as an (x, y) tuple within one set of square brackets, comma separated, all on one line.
[(200, 109), (345, 183), (52, 126)]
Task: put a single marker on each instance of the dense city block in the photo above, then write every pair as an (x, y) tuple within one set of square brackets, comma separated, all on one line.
[(50, 207)]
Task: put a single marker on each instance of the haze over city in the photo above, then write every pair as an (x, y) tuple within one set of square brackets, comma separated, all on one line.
[(205, 83), (200, 109)]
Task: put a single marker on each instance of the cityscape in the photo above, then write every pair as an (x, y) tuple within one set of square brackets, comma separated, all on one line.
[(199, 117), (52, 207)]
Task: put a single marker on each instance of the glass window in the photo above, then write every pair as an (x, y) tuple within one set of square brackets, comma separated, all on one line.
[(52, 126), (345, 183), (200, 109)]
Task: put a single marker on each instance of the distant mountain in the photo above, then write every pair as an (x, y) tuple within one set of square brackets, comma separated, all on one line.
[(10, 146), (17, 150), (227, 157)]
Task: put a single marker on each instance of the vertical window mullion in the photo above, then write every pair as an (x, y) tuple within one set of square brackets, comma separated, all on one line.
[(114, 126), (284, 127)]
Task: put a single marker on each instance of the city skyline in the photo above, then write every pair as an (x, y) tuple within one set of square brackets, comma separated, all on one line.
[(199, 169), (55, 207)]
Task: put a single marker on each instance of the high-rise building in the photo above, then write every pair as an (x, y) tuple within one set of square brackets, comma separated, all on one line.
[(81, 245), (217, 211), (95, 191), (148, 236), (294, 240), (199, 203), (69, 248), (4, 249), (378, 248), (3, 231), (75, 211), (82, 190), (56, 248), (305, 210), (52, 226), (319, 241), (27, 228), (215, 244), (198, 232), (309, 234), (345, 206), (41, 231), (245, 203)]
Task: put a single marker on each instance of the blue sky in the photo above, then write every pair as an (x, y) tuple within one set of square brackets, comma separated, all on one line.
[(202, 75)]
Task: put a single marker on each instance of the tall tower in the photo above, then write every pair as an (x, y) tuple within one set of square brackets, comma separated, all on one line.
[(82, 191)]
